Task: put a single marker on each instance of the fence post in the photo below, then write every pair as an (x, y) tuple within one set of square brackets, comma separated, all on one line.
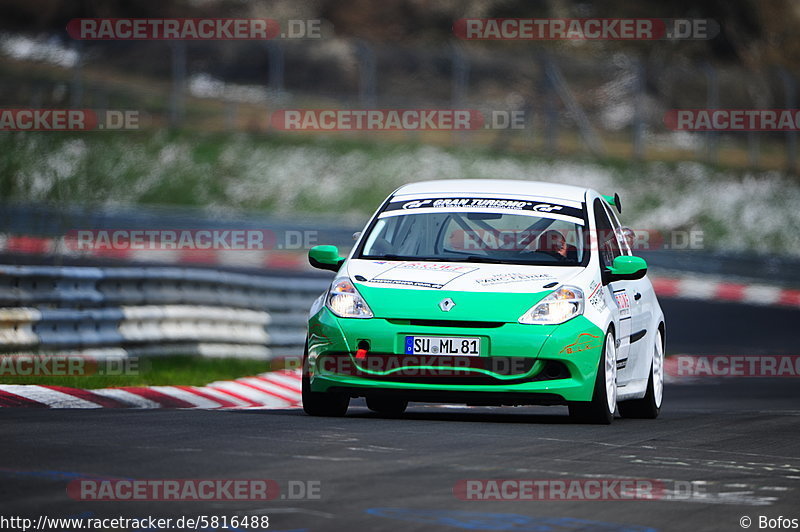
[(589, 136), (276, 66), (177, 101), (638, 111), (712, 102), (758, 89), (549, 111), (100, 101), (460, 82), (76, 86), (367, 92), (37, 96), (790, 90)]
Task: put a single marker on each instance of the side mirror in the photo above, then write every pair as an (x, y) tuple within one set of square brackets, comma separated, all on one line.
[(325, 258), (626, 268), (614, 201)]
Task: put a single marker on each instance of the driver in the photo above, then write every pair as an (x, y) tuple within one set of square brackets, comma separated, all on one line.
[(553, 243)]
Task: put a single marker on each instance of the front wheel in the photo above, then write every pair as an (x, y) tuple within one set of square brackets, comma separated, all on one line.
[(649, 406), (326, 404), (600, 410)]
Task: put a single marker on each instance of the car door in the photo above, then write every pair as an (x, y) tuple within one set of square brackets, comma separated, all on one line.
[(621, 292), (641, 311)]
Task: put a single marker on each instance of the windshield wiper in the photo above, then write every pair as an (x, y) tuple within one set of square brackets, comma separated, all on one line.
[(470, 258), (515, 261), (390, 256), (478, 258), (466, 258)]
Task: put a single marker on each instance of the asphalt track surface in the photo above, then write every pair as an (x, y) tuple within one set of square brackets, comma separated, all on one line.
[(735, 440)]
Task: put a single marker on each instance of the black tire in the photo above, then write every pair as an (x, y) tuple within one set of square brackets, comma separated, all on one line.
[(387, 406), (325, 404), (597, 411), (649, 406)]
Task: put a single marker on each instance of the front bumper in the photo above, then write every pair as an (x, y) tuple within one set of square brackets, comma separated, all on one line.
[(518, 364)]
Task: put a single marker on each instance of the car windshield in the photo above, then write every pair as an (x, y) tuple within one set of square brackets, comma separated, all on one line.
[(477, 236)]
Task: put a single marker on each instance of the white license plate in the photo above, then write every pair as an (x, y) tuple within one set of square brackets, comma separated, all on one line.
[(443, 345)]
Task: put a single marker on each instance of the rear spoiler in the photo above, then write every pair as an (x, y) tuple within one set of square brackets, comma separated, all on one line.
[(614, 201)]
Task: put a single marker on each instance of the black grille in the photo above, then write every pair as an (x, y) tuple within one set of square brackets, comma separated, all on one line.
[(450, 323)]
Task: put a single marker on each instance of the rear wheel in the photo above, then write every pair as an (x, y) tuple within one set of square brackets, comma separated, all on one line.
[(387, 406), (327, 404), (649, 406), (601, 408)]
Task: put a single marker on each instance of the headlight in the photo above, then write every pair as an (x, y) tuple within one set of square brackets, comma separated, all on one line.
[(560, 306), (345, 301)]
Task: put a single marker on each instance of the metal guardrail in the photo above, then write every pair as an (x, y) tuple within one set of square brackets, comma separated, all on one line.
[(34, 220), (49, 221), (151, 311)]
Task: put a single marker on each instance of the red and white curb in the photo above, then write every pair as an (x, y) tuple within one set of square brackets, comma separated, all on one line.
[(710, 289), (277, 389)]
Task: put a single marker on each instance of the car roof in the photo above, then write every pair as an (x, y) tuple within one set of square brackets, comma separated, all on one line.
[(494, 186)]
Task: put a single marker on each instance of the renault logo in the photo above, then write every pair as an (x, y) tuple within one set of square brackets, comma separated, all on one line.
[(446, 304)]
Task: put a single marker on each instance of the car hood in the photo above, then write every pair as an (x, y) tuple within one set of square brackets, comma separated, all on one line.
[(480, 292)]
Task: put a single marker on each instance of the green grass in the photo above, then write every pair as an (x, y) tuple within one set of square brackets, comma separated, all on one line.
[(172, 370)]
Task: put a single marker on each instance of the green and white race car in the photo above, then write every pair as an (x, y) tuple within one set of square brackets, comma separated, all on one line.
[(488, 292)]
